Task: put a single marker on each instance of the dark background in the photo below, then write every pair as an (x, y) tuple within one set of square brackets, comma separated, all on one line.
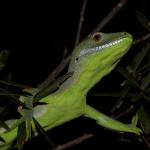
[(36, 33)]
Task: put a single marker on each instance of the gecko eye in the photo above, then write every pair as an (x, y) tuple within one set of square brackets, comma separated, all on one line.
[(97, 37)]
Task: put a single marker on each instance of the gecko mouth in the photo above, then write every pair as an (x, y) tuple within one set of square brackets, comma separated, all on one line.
[(101, 47)]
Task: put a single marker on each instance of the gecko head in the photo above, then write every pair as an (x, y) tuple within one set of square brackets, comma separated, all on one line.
[(99, 51)]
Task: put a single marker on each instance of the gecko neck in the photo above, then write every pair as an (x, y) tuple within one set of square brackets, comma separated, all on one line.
[(82, 82)]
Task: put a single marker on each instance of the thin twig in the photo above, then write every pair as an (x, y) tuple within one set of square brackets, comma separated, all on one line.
[(57, 70), (143, 38), (81, 20), (75, 142), (127, 111), (146, 141), (65, 60), (120, 101), (110, 15)]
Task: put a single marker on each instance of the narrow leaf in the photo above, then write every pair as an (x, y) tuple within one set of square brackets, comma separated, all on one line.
[(145, 81), (145, 68), (42, 132), (135, 120), (128, 76), (2, 108), (12, 94), (13, 97), (136, 97), (120, 101), (10, 83), (21, 135), (3, 58), (28, 113), (112, 94), (108, 94), (147, 98), (144, 119), (3, 125), (143, 20), (138, 58)]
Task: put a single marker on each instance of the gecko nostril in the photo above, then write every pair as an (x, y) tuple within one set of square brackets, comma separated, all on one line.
[(77, 59)]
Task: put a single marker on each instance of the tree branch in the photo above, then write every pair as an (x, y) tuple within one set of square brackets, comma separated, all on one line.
[(143, 38), (110, 15), (81, 20), (77, 141), (57, 70)]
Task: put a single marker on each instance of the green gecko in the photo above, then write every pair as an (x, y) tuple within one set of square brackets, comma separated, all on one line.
[(92, 59)]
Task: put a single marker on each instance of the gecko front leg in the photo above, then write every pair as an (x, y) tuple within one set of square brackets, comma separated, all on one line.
[(108, 122)]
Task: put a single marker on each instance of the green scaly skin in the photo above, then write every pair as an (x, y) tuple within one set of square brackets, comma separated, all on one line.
[(92, 59)]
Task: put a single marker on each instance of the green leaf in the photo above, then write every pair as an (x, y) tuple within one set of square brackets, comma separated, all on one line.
[(12, 94), (108, 94), (120, 101), (112, 94), (145, 68), (2, 108), (144, 119), (21, 135), (145, 81), (147, 98), (13, 97), (143, 20), (136, 97), (128, 76), (138, 58), (24, 133), (148, 90), (124, 91), (135, 120), (42, 132), (3, 125), (27, 112), (10, 83), (3, 58)]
